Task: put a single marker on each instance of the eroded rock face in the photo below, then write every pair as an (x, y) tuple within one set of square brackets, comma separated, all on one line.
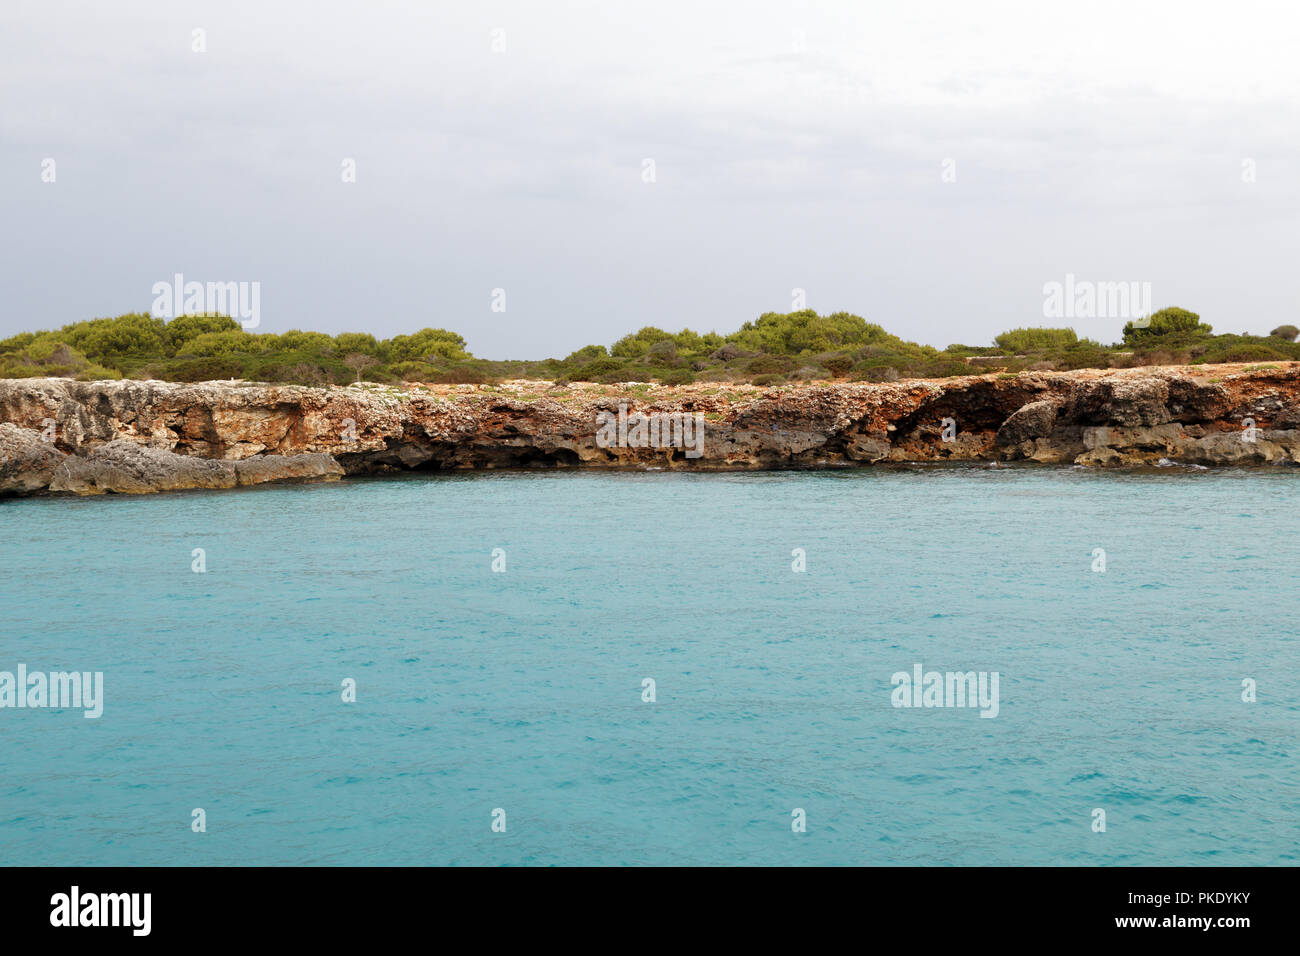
[(310, 467), (126, 467), (27, 462), (126, 435), (1031, 421)]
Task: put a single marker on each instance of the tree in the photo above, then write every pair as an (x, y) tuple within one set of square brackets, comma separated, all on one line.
[(359, 362), (296, 340), (1172, 321), (185, 328), (135, 333), (345, 343), (806, 331), (1288, 332), (426, 344), (588, 353), (637, 343)]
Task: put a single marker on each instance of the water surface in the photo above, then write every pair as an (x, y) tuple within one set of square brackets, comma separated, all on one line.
[(522, 690)]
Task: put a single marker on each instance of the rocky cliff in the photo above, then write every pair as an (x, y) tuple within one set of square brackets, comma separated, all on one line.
[(133, 436)]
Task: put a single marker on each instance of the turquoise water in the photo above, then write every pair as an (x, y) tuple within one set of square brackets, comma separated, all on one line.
[(522, 690)]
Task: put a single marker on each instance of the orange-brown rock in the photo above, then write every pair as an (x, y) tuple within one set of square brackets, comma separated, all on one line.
[(1209, 415)]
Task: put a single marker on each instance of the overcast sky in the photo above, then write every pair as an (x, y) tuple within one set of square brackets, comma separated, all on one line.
[(795, 145)]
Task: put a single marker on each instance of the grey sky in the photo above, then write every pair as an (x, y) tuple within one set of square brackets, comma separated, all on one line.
[(796, 145)]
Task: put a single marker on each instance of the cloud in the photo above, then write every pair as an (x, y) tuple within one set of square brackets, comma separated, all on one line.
[(797, 145)]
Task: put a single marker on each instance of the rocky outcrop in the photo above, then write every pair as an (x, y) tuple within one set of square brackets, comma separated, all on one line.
[(27, 462), (122, 466), (1031, 421), (308, 467), (125, 467), (131, 436)]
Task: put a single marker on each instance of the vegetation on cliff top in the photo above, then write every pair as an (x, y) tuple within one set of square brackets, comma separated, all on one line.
[(774, 348)]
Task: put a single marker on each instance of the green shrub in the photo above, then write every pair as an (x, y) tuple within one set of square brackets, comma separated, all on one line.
[(223, 343), (771, 365), (425, 344), (297, 373), (662, 351), (966, 351), (1166, 322), (1017, 341), (45, 356), (133, 334), (944, 368), (638, 343), (693, 343), (838, 365), (185, 328), (676, 376), (774, 348), (199, 370), (460, 375), (311, 343), (805, 331), (593, 371), (361, 343), (1248, 352), (16, 343), (875, 373), (586, 354), (95, 373)]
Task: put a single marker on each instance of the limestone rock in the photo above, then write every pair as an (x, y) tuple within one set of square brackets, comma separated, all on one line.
[(27, 462), (134, 436), (264, 468), (125, 467), (1030, 421)]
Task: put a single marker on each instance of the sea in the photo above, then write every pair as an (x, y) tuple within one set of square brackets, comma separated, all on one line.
[(661, 668)]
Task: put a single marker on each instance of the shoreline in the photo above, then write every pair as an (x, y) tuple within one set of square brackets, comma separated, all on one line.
[(1154, 471), (59, 436)]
